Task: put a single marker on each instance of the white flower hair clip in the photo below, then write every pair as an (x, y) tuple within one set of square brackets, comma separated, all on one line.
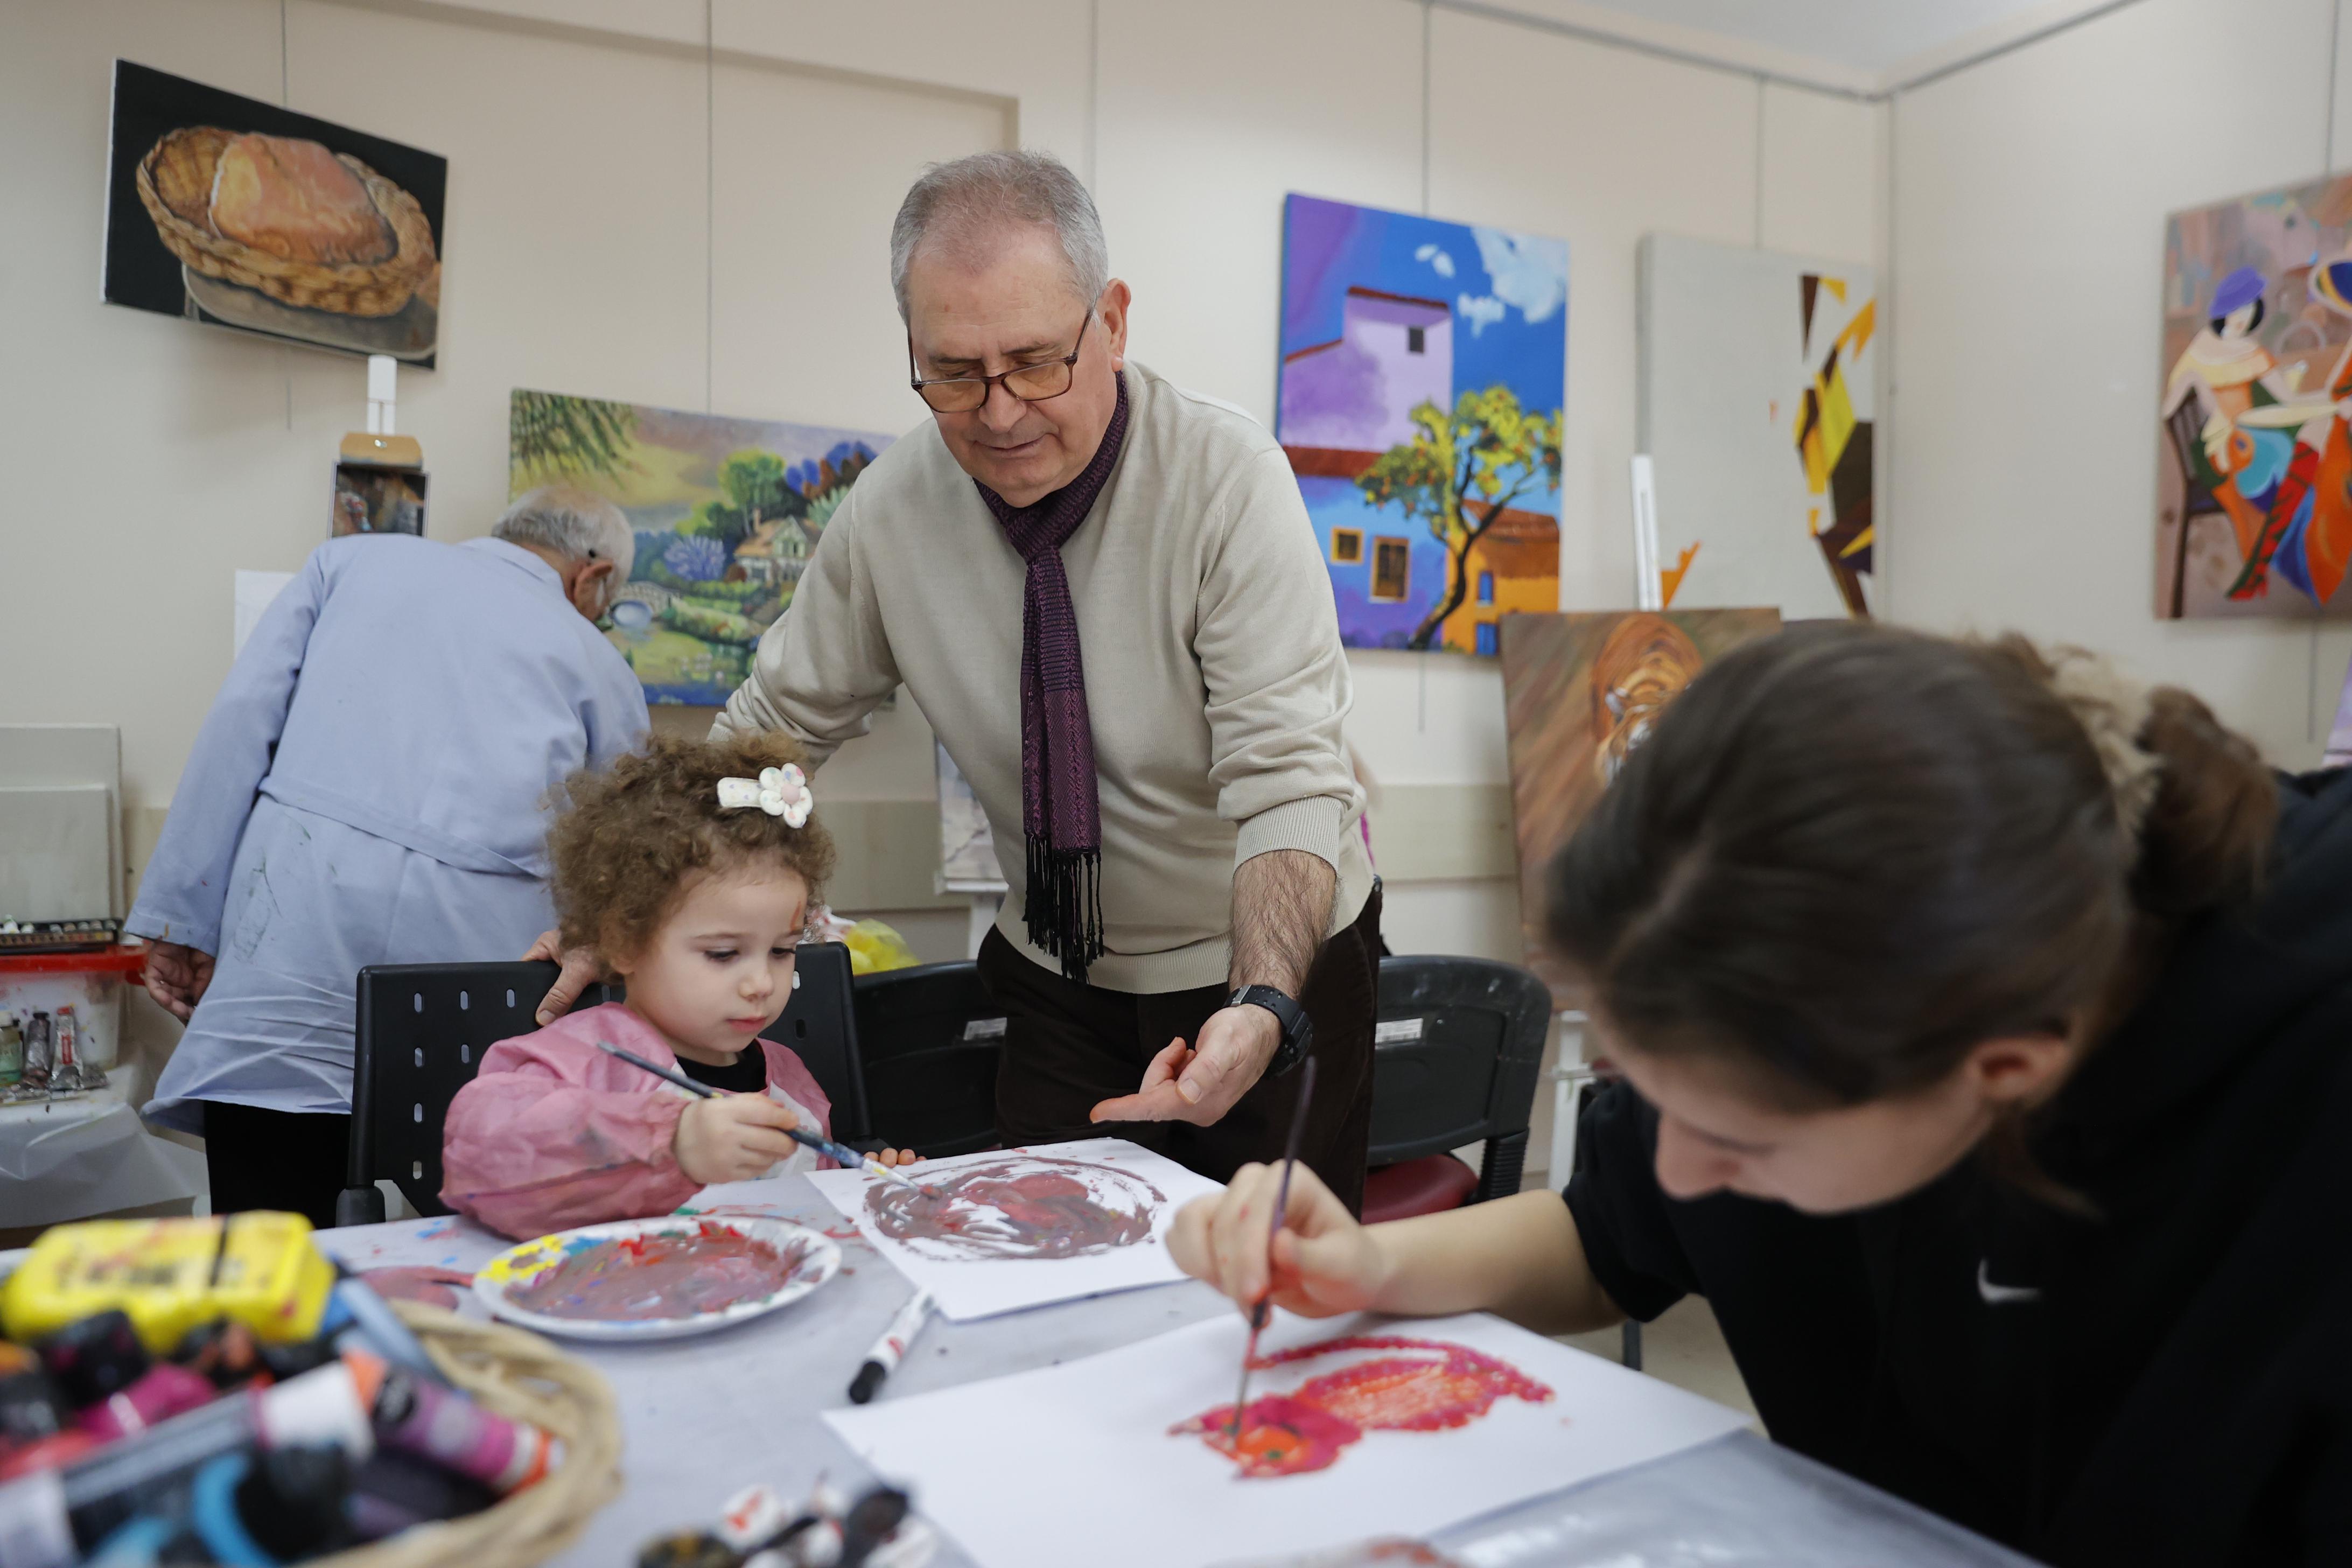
[(780, 792)]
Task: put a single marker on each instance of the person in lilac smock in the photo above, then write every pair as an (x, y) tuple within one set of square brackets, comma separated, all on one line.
[(368, 789)]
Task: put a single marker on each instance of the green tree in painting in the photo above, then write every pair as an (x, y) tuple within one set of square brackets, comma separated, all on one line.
[(550, 437), (1457, 474)]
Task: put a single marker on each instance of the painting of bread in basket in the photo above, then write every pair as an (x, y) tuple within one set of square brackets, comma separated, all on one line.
[(236, 213)]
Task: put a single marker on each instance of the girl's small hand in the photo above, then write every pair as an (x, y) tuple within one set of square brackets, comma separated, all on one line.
[(732, 1138), (894, 1158), (1325, 1263)]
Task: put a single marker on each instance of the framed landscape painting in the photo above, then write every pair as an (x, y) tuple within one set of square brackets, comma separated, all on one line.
[(1423, 369), (726, 512)]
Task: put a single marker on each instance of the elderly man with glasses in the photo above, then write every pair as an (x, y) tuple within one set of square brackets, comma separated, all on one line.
[(1104, 593), (367, 789)]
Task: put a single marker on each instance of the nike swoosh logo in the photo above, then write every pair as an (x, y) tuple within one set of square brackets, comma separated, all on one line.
[(2002, 1295)]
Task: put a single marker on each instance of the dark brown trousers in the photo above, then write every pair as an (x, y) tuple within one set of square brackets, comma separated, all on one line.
[(1068, 1046)]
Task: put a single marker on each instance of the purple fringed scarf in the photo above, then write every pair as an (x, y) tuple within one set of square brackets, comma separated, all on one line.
[(1061, 818)]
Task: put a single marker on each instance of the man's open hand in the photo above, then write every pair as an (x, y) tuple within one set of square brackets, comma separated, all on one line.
[(1199, 1083)]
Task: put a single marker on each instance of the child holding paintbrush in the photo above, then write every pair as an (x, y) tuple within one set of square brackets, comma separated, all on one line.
[(689, 868)]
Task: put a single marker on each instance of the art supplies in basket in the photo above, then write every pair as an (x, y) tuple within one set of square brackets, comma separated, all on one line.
[(1000, 1231), (210, 1391), (828, 1530), (659, 1278)]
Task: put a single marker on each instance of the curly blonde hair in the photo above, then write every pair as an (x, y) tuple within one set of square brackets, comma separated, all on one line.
[(629, 839)]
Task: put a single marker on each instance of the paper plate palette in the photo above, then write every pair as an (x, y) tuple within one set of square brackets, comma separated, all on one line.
[(640, 1280)]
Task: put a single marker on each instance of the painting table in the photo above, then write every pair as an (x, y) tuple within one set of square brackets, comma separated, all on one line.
[(84, 1155), (706, 1417)]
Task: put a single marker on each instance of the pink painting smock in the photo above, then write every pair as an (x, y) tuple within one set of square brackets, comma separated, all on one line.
[(554, 1133)]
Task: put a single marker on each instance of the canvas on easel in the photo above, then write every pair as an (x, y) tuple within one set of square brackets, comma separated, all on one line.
[(1580, 693), (1758, 405)]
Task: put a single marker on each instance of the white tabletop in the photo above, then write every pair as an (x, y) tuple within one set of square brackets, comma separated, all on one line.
[(705, 1417), (82, 1154)]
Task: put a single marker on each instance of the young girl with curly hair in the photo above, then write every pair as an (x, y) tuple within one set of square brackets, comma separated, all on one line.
[(689, 868)]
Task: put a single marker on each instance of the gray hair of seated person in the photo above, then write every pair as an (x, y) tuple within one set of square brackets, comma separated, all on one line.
[(964, 204), (575, 524)]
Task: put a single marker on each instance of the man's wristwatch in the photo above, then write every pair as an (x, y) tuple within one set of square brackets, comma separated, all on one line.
[(1298, 1028)]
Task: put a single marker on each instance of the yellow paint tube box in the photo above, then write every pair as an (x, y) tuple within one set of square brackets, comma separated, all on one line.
[(172, 1276)]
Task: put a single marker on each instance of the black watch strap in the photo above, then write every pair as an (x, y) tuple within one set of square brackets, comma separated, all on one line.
[(1298, 1029)]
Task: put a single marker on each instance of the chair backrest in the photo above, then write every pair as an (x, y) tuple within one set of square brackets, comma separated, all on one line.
[(2186, 425), (929, 1040), (1455, 1056), (822, 1029), (422, 1029), (420, 1034)]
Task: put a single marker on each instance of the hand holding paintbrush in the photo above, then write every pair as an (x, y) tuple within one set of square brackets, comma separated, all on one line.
[(747, 1106), (1274, 1228)]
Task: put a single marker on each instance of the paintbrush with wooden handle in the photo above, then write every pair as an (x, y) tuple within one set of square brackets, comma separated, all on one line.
[(1281, 1203)]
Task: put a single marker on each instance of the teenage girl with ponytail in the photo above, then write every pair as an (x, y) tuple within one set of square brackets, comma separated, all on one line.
[(1984, 1027)]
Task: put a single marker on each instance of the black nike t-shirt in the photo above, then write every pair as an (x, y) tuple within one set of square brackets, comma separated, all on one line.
[(746, 1074), (2166, 1381)]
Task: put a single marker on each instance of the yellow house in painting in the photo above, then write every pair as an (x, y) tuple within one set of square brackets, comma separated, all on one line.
[(1514, 567)]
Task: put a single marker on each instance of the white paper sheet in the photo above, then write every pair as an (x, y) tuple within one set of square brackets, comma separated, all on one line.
[(1050, 1468), (985, 1267)]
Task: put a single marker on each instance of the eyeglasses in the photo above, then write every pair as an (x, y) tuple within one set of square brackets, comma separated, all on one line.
[(1030, 382)]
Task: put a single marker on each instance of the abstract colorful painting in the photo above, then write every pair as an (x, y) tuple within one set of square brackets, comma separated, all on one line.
[(1580, 693), (726, 512), (237, 213), (1758, 408), (1423, 370), (2253, 464)]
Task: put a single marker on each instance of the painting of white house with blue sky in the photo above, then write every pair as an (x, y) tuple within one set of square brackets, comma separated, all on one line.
[(1423, 370)]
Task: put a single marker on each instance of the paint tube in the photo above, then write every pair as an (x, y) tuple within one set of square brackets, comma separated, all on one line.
[(257, 1511), (443, 1425), (37, 1426), (355, 1312), (395, 1491), (49, 1518), (106, 1375)]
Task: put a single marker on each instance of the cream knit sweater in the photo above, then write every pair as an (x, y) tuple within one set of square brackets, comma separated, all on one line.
[(1215, 681)]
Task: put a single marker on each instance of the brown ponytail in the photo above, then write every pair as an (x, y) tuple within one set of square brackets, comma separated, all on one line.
[(2208, 836), (1849, 854)]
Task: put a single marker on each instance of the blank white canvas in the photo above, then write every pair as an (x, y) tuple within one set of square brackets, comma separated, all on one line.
[(981, 1287), (1722, 368), (1073, 1467)]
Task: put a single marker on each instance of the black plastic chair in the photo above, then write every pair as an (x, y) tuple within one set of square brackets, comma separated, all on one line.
[(421, 1030), (929, 1040), (418, 1038), (1455, 1056)]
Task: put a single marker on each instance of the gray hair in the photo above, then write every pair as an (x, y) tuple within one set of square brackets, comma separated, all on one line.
[(575, 524), (973, 199)]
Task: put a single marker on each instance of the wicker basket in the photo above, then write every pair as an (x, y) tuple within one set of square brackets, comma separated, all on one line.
[(175, 185), (518, 1374)]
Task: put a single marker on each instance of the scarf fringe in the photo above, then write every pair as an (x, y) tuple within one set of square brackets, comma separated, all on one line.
[(1063, 905)]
